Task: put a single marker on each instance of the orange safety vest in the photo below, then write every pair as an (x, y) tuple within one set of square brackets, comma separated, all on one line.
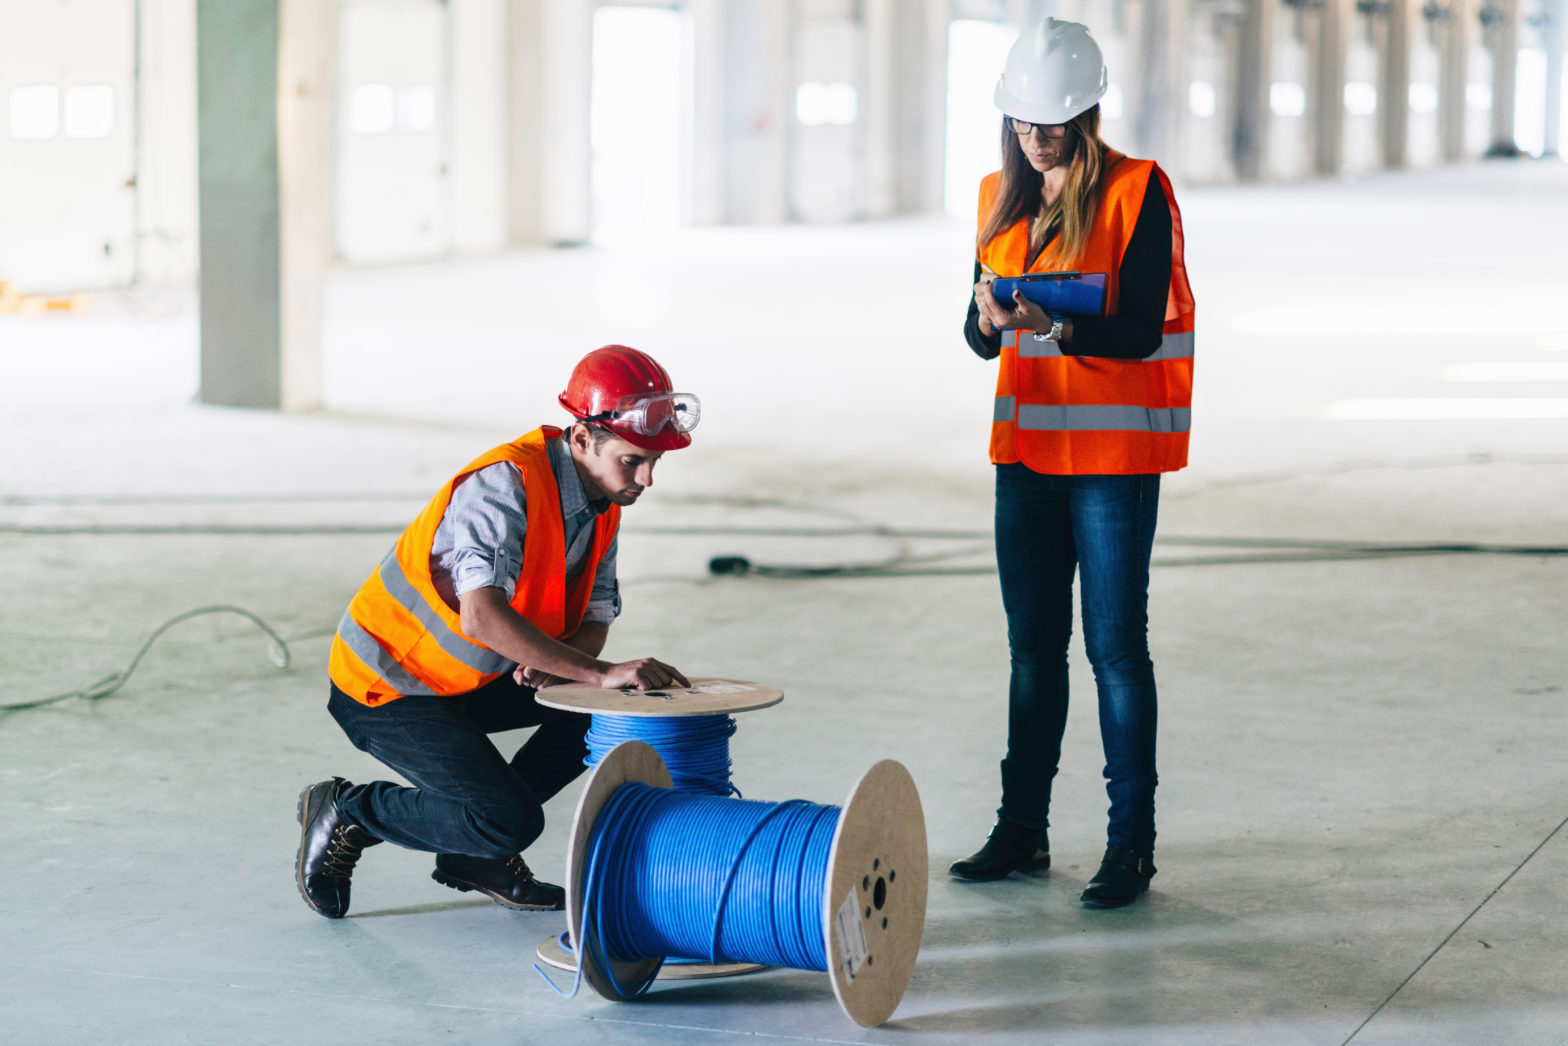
[(1073, 415), (398, 637)]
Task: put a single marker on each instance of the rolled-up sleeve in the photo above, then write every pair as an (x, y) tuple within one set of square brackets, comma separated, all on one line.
[(604, 602), (486, 521)]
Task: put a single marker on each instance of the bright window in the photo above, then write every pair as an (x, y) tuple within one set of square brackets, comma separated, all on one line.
[(1202, 99), (34, 112), (1530, 100), (372, 109), (1111, 104), (89, 111), (1423, 97), (976, 52), (1360, 98), (817, 104), (1287, 98), (416, 108), (1478, 96)]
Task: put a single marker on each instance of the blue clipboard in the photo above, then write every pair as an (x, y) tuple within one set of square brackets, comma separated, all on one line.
[(1078, 292)]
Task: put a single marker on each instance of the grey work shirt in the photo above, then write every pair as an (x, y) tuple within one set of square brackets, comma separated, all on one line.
[(479, 542)]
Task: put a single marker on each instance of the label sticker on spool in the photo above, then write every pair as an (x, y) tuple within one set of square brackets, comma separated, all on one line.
[(721, 688), (851, 935)]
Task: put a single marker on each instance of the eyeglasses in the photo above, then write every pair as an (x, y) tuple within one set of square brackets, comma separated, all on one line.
[(1023, 128)]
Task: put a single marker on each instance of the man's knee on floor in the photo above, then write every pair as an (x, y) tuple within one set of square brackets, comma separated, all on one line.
[(506, 831)]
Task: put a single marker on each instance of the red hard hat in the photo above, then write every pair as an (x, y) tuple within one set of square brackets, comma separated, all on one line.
[(616, 379)]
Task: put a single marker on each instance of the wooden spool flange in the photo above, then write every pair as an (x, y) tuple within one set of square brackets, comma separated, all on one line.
[(705, 696)]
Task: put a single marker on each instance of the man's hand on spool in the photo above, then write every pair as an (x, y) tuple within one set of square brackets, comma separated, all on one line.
[(536, 678), (643, 674)]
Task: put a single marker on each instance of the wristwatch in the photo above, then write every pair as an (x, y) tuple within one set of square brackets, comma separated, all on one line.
[(1054, 334)]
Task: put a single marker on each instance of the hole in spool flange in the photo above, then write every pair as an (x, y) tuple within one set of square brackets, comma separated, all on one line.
[(879, 895)]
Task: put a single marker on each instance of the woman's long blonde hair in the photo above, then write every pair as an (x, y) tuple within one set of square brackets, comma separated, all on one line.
[(1068, 218)]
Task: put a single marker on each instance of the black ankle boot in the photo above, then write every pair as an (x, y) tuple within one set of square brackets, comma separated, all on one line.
[(507, 881), (1011, 847), (1123, 875), (328, 848)]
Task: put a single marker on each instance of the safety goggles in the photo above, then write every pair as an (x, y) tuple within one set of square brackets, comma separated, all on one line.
[(649, 415)]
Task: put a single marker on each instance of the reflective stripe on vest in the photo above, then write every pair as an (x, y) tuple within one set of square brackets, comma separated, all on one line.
[(1178, 346), (480, 659), (365, 647), (1109, 417)]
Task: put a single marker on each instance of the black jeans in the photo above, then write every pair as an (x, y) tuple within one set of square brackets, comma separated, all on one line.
[(467, 798), (1102, 528)]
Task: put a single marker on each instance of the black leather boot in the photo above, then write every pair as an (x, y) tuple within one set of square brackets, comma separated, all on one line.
[(328, 848), (507, 881), (1010, 848), (1123, 875)]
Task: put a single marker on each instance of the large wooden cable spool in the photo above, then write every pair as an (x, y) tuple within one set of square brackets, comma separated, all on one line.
[(874, 910), (704, 697)]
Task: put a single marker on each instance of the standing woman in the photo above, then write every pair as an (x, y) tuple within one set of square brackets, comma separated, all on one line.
[(1090, 408)]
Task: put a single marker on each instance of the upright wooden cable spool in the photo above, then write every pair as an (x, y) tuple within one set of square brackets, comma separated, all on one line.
[(707, 696), (874, 908)]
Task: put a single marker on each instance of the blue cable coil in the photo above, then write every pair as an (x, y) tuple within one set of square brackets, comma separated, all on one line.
[(696, 749), (705, 878)]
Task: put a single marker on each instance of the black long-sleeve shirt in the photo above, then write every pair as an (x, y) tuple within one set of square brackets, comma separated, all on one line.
[(1143, 286)]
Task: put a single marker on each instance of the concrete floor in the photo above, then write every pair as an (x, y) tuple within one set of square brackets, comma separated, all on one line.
[(1363, 788)]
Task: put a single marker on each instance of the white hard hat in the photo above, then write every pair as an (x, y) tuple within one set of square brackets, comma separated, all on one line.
[(1054, 72)]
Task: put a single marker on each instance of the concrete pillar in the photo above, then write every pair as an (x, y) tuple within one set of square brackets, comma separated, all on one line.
[(1556, 39), (1160, 110), (1458, 37), (1503, 41), (265, 70), (922, 105), (1328, 108), (708, 68), (1394, 110), (1253, 75), (879, 109), (549, 91)]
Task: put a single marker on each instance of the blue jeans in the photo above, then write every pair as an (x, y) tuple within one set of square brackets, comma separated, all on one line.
[(1103, 527), (467, 798)]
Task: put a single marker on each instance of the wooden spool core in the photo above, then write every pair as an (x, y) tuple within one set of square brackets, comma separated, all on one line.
[(875, 907), (706, 696), (553, 954)]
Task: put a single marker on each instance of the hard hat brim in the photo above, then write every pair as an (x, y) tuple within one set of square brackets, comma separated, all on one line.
[(667, 438), (1037, 111)]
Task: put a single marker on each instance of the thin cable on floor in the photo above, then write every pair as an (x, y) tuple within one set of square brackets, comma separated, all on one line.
[(1444, 943), (1301, 552), (277, 651)]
